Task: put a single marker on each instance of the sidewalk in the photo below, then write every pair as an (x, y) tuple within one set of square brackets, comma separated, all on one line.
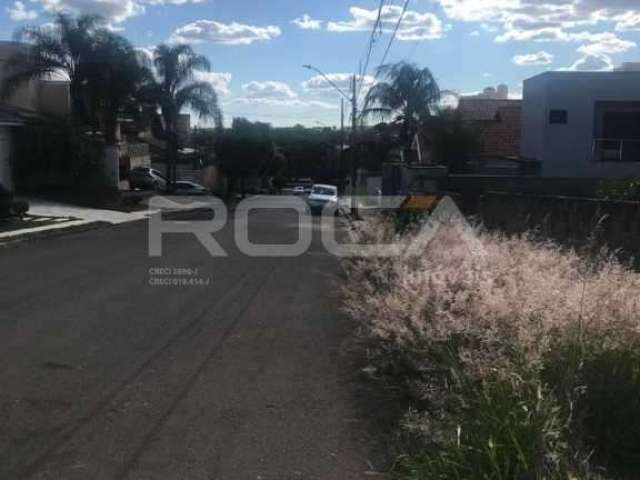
[(69, 216)]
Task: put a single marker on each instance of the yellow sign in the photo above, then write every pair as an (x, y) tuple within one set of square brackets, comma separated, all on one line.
[(420, 202)]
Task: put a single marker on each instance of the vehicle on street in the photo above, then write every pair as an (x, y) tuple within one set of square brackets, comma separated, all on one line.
[(185, 187), (144, 178), (298, 190), (322, 196)]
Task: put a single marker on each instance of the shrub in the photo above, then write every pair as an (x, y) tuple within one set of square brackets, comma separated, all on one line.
[(625, 189), (510, 350)]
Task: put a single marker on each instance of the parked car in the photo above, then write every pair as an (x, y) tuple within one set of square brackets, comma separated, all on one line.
[(184, 187), (144, 178), (322, 196), (298, 190)]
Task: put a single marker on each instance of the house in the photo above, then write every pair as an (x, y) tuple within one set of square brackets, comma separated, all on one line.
[(583, 124), (496, 122), (35, 99)]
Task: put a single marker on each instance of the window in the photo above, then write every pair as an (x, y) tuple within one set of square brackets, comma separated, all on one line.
[(558, 117)]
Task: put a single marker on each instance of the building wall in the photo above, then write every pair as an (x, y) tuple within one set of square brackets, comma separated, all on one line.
[(5, 155), (42, 96), (567, 150), (501, 137)]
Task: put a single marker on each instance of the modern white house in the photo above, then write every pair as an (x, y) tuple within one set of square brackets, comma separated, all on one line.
[(583, 124)]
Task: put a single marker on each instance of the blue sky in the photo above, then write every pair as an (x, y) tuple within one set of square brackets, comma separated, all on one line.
[(257, 48)]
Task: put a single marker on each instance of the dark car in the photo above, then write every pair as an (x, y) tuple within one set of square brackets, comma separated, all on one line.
[(144, 178)]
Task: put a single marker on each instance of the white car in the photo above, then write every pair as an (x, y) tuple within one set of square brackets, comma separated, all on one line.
[(322, 196), (185, 187)]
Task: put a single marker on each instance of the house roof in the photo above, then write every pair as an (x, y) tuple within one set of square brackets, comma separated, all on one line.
[(484, 109)]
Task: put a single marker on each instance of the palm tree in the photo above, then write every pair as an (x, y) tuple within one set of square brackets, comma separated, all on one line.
[(115, 76), (408, 96), (174, 88), (59, 49)]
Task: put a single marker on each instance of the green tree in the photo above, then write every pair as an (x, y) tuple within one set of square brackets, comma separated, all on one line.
[(115, 77), (409, 96), (244, 150), (174, 89)]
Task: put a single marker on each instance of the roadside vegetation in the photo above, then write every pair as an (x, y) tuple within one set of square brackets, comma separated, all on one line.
[(519, 360)]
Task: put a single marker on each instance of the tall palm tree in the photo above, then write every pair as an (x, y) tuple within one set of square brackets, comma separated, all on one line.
[(408, 96), (174, 89), (115, 76), (61, 48)]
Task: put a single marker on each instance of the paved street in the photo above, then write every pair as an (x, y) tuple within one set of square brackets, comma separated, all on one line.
[(104, 376)]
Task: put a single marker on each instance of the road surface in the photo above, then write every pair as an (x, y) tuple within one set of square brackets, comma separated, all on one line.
[(239, 375)]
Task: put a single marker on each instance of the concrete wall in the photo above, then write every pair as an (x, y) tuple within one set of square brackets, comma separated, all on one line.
[(568, 220), (55, 98), (5, 155), (42, 96), (566, 150)]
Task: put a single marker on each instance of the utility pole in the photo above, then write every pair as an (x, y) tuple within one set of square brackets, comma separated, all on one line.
[(354, 147), (353, 98), (341, 137)]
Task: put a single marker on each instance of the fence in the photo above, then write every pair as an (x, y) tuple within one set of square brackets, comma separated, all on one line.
[(568, 220)]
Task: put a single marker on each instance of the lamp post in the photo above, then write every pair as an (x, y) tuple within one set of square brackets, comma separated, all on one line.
[(353, 99)]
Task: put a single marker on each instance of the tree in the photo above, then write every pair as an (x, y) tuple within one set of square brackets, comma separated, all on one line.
[(244, 150), (408, 96), (62, 48), (174, 88), (115, 76), (453, 141)]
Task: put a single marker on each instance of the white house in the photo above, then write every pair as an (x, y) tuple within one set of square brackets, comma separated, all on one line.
[(36, 98), (583, 124)]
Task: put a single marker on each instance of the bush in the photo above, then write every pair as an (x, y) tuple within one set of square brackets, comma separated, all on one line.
[(627, 189), (512, 352), (54, 154)]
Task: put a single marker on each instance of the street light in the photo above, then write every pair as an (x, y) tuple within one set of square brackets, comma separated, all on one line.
[(331, 82), (353, 99)]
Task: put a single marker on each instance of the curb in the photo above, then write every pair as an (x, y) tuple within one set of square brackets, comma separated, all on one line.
[(56, 232)]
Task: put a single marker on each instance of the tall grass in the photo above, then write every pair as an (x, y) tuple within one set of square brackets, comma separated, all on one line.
[(521, 359)]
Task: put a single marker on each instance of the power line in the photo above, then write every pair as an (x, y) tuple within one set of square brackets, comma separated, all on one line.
[(372, 40), (393, 35)]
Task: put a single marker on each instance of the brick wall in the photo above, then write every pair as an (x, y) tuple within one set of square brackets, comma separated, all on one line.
[(501, 137)]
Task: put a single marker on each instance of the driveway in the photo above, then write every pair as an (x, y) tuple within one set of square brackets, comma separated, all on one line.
[(108, 373)]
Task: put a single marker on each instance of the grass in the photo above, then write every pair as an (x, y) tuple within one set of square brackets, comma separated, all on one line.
[(520, 359)]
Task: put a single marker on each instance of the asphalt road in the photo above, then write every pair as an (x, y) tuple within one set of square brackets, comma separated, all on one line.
[(106, 376)]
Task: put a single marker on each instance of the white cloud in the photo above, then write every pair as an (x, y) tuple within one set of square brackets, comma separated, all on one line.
[(225, 33), (606, 44), (552, 20), (19, 13), (538, 58), (307, 23), (284, 103), (268, 90), (414, 26), (113, 10), (628, 21), (592, 63), (278, 94), (220, 81), (320, 84), (171, 2)]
